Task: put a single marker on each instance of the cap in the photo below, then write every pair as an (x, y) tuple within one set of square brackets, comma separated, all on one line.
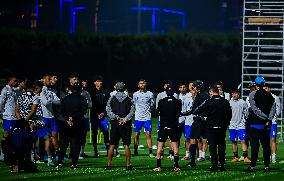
[(259, 80)]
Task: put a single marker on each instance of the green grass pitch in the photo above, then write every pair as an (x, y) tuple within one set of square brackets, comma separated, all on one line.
[(93, 168)]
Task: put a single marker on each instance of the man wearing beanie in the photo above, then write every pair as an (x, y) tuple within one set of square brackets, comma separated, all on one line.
[(169, 109), (261, 112), (120, 109)]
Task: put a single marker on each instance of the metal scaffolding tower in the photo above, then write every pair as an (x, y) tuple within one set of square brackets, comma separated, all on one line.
[(263, 41)]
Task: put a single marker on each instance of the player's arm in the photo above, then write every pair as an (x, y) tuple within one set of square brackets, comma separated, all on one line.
[(33, 112), (3, 99), (44, 98), (55, 99), (152, 101), (278, 106), (18, 115), (111, 114), (272, 111)]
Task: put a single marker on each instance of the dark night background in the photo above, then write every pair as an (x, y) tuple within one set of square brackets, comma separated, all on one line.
[(209, 48)]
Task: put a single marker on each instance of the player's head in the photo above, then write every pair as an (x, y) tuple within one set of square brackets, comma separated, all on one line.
[(210, 91), (12, 80), (29, 86), (37, 87), (53, 79), (98, 82), (119, 86), (235, 93), (46, 79), (76, 87), (182, 88), (169, 91), (215, 89), (252, 86), (22, 82), (197, 85), (190, 86), (73, 78), (220, 86), (267, 87), (142, 84), (167, 83), (84, 84)]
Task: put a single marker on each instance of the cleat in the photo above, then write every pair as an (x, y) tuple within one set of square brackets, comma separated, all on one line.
[(201, 159), (58, 166), (247, 160), (108, 167), (185, 158), (213, 169), (266, 169), (250, 169), (236, 159), (73, 167), (190, 165), (241, 158), (81, 157), (176, 169), (157, 169), (96, 155), (50, 164), (130, 168), (151, 155)]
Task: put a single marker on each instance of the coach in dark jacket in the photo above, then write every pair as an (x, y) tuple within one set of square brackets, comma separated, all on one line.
[(198, 125), (169, 109), (73, 108), (120, 109), (261, 112), (99, 96), (217, 114)]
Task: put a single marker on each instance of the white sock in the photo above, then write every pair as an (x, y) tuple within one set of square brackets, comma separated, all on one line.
[(32, 156), (187, 153), (49, 159), (200, 153), (203, 154), (82, 150)]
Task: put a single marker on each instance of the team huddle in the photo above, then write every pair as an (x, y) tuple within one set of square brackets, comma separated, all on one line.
[(36, 112)]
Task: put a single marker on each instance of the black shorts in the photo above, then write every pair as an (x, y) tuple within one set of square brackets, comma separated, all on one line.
[(198, 129), (124, 132), (165, 133)]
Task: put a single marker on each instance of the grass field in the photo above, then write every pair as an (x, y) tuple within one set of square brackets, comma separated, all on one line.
[(93, 168)]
